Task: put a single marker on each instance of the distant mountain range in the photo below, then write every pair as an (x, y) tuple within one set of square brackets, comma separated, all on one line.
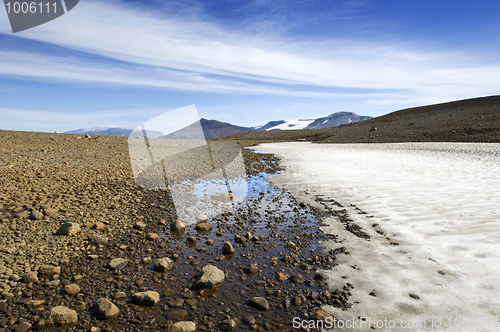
[(214, 128), (468, 120), (211, 129), (337, 119), (111, 131)]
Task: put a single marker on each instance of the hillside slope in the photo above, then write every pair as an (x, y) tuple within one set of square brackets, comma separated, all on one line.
[(211, 129), (470, 120)]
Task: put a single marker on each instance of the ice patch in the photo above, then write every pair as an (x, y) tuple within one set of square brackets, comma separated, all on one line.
[(439, 201)]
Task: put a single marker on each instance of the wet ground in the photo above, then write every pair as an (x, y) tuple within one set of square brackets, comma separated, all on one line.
[(278, 235), (277, 254)]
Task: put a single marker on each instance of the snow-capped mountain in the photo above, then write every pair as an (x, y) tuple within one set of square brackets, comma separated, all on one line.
[(214, 128), (337, 119), (287, 124), (332, 120)]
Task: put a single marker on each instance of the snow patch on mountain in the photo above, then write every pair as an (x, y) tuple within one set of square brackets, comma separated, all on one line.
[(294, 124)]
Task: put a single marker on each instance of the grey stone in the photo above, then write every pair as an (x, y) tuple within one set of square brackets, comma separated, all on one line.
[(48, 271), (36, 215), (176, 303), (140, 225), (30, 277), (227, 249), (228, 325), (35, 303), (97, 239), (120, 295), (149, 298), (210, 277), (22, 327), (321, 277), (203, 226), (105, 309), (52, 283), (177, 226), (118, 263), (163, 264), (72, 289), (249, 319), (185, 326), (259, 303), (62, 317), (177, 314), (49, 212), (297, 279), (69, 229)]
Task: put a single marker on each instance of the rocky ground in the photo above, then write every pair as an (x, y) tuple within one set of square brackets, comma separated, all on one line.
[(82, 247)]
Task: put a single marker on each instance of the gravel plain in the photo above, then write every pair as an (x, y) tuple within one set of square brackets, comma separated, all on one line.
[(82, 247)]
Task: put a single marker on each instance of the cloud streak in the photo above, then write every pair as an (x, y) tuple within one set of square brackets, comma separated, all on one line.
[(35, 120), (197, 55)]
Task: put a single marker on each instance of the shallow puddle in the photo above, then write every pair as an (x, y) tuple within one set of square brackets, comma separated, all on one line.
[(279, 236)]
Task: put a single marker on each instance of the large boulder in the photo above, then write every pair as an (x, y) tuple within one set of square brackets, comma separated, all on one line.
[(163, 264), (69, 229), (62, 316), (149, 298), (259, 303), (105, 309), (49, 212), (59, 317), (152, 237), (183, 327), (36, 215), (322, 315), (30, 277), (209, 278), (72, 289), (177, 226), (118, 263), (48, 271), (227, 249), (203, 226)]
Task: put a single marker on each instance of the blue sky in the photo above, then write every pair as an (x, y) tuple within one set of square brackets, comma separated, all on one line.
[(121, 63)]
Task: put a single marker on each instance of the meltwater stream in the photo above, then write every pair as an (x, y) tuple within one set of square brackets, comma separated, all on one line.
[(277, 255)]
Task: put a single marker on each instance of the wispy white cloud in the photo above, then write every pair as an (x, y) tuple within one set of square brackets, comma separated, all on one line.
[(70, 70), (197, 55), (35, 120)]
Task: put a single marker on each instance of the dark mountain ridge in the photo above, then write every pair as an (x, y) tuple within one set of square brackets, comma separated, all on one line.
[(469, 120)]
